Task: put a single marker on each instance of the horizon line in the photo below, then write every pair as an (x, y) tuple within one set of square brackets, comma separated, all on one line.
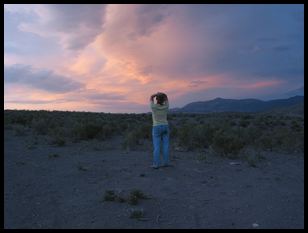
[(55, 110)]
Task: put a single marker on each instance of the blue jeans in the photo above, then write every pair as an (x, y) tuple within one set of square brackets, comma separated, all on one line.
[(160, 133)]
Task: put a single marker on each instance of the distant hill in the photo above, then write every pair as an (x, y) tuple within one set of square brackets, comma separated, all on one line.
[(241, 105), (295, 92)]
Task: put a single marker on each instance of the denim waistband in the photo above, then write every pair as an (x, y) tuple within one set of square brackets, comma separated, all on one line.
[(160, 125)]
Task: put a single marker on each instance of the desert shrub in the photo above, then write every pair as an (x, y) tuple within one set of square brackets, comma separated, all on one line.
[(194, 136), (106, 131), (260, 123), (265, 142), (138, 193), (287, 139), (137, 214), (227, 143), (131, 140), (184, 120), (85, 131), (233, 123), (122, 126), (120, 199), (184, 136), (201, 156), (252, 161), (252, 156), (143, 131), (133, 200), (295, 125), (281, 135), (109, 195), (135, 195), (20, 130), (82, 167), (40, 126), (58, 141), (170, 117), (282, 123), (64, 131), (250, 134), (136, 136), (202, 136), (7, 119), (173, 130), (244, 123), (146, 130), (248, 117), (226, 132), (8, 127), (19, 117), (51, 156), (199, 118), (207, 133)]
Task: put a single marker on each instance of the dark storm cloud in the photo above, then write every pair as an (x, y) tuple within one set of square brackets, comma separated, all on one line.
[(252, 38)]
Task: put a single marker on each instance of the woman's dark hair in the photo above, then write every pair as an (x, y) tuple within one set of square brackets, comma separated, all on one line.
[(161, 98)]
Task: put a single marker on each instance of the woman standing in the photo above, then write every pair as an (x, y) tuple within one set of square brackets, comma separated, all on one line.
[(160, 130)]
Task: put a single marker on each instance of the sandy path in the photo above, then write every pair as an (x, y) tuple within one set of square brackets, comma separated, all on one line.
[(43, 192)]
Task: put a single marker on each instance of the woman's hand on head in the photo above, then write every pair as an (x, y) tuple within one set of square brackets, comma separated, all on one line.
[(152, 97)]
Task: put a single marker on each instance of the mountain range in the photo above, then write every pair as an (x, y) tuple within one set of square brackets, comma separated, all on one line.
[(242, 105)]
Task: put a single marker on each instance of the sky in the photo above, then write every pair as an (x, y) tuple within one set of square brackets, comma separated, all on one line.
[(112, 58)]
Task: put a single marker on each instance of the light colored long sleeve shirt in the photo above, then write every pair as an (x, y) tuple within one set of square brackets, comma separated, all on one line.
[(159, 113)]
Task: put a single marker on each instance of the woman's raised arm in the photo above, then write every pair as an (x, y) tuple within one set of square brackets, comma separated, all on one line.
[(152, 97)]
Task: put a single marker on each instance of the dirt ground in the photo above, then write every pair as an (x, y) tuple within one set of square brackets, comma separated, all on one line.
[(66, 190)]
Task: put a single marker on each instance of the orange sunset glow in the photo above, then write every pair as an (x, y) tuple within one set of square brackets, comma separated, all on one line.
[(111, 58)]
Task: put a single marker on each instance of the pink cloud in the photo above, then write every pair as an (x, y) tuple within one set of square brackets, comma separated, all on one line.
[(137, 50), (263, 84)]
